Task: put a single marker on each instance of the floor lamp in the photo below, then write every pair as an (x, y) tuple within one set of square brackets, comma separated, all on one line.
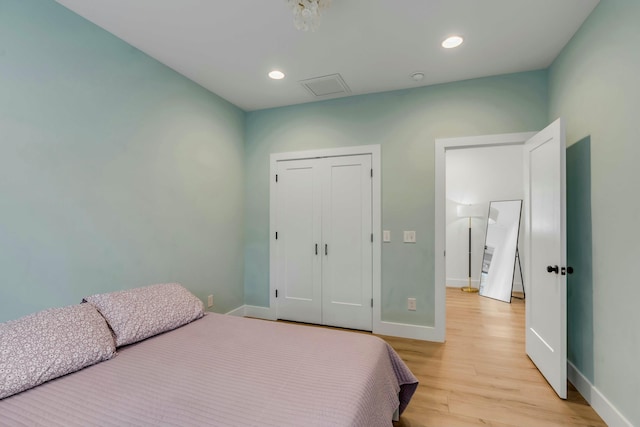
[(470, 211)]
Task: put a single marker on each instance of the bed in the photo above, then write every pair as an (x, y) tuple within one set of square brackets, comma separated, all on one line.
[(223, 370)]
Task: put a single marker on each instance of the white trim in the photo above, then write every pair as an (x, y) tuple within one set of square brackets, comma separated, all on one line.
[(441, 146), (236, 311), (265, 313), (462, 283), (596, 399), (404, 330), (253, 311), (374, 151)]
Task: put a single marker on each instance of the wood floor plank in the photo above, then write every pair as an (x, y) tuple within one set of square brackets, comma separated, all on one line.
[(482, 376)]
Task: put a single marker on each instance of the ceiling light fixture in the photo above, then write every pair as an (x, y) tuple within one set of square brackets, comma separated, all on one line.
[(276, 75), (451, 42), (306, 13)]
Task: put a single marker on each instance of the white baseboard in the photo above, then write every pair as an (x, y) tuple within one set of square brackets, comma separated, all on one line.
[(461, 283), (404, 330), (260, 312), (253, 311), (237, 312), (596, 399), (417, 332)]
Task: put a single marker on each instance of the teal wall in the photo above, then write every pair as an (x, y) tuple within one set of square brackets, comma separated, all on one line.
[(580, 257), (405, 124), (115, 171), (595, 85)]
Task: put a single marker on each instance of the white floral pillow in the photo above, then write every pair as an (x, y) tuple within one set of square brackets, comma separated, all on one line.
[(51, 343), (136, 314)]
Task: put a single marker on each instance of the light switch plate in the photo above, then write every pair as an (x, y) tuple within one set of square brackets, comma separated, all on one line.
[(411, 304), (386, 235), (409, 236)]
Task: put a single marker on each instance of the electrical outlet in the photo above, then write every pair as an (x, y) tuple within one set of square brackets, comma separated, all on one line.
[(411, 304), (386, 235), (210, 301)]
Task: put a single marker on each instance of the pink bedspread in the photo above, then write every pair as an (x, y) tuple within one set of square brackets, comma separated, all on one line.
[(228, 371)]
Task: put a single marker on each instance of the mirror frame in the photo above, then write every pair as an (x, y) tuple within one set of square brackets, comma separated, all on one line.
[(513, 254)]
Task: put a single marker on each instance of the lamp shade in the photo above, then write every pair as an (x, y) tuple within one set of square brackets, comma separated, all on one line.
[(471, 211)]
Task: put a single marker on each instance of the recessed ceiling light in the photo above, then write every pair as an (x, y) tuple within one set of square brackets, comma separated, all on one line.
[(451, 42), (276, 75)]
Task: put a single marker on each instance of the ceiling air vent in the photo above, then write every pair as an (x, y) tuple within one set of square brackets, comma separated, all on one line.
[(326, 86)]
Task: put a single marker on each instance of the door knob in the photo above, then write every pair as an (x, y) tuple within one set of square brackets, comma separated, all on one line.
[(553, 269), (569, 270)]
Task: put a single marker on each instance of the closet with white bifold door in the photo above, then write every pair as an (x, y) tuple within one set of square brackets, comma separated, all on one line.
[(323, 247)]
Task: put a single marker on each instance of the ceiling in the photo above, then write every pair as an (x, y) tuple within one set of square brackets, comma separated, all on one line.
[(229, 46)]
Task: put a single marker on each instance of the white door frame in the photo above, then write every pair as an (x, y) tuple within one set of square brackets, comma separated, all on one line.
[(441, 147), (376, 202)]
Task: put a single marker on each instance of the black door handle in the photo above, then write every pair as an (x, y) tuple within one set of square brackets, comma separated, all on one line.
[(326, 249), (316, 249), (568, 270), (553, 269)]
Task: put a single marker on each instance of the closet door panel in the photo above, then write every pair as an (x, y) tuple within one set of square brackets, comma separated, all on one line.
[(346, 232), (298, 219)]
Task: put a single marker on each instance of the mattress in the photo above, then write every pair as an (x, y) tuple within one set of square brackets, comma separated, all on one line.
[(228, 371)]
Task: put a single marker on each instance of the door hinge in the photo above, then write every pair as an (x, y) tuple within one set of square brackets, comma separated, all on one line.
[(371, 173), (371, 302), (371, 237), (276, 293), (276, 177), (276, 235)]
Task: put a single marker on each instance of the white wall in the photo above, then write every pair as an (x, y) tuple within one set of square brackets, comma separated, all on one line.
[(477, 176)]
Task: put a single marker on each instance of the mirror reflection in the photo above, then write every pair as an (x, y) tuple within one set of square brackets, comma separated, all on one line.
[(500, 249)]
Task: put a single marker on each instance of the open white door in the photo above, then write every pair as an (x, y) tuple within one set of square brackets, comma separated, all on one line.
[(545, 266)]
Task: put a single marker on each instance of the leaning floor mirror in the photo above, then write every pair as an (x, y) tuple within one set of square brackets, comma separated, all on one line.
[(500, 250)]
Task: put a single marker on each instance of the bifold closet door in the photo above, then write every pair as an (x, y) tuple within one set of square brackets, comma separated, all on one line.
[(347, 240), (298, 251)]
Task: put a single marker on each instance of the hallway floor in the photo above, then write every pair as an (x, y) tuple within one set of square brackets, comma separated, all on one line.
[(481, 376)]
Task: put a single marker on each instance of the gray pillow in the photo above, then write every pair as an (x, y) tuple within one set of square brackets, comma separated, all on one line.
[(51, 343), (136, 314)]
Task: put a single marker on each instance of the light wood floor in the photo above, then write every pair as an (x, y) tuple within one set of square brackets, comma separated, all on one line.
[(481, 376)]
